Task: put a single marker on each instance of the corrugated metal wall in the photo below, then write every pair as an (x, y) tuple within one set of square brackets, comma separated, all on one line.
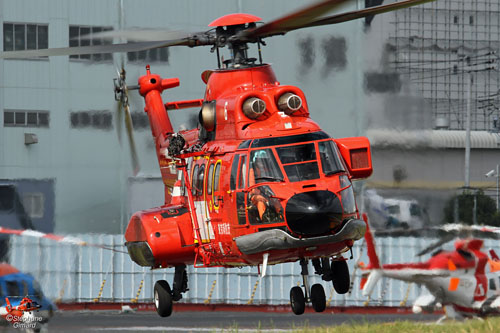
[(75, 274)]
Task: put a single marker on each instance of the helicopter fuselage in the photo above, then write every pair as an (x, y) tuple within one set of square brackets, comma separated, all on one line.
[(258, 176)]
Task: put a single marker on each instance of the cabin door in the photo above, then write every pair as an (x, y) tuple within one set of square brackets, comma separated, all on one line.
[(201, 207), (238, 186)]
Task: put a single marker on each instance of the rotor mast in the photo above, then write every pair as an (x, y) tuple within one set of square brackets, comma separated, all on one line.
[(228, 28)]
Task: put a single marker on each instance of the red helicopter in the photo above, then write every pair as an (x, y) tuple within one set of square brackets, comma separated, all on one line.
[(258, 182), (464, 281), (21, 315)]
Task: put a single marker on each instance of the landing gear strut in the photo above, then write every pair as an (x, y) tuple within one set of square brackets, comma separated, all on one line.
[(164, 295), (314, 295)]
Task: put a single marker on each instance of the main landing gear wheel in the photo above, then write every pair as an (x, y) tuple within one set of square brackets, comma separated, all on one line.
[(318, 298), (163, 298), (297, 300), (341, 280)]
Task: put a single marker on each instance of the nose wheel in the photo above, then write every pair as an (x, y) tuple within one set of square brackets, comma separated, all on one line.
[(297, 300), (314, 295)]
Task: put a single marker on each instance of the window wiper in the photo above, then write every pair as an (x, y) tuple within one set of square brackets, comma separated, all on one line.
[(333, 172), (269, 178)]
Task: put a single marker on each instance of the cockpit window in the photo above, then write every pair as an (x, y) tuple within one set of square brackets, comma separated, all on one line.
[(330, 162), (299, 162), (415, 210), (299, 153), (394, 209), (263, 167), (13, 288), (38, 290)]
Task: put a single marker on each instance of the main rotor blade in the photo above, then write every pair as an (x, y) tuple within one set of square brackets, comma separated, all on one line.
[(308, 17), (142, 35), (292, 21), (349, 16), (110, 48)]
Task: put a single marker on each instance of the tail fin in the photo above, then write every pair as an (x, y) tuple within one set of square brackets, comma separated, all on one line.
[(370, 245)]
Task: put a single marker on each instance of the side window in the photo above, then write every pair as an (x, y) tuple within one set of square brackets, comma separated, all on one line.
[(25, 288), (234, 171), (201, 177), (37, 289), (194, 179), (243, 172), (216, 184), (217, 176), (210, 179), (492, 284)]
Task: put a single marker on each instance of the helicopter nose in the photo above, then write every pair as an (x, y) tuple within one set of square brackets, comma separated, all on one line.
[(313, 213)]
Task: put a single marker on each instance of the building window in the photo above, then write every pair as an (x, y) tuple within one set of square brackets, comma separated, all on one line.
[(7, 194), (153, 55), (25, 118), (23, 36), (82, 36), (139, 120), (33, 204), (91, 119)]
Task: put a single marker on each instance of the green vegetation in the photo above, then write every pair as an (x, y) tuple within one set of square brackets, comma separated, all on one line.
[(489, 325), (485, 210), (468, 326)]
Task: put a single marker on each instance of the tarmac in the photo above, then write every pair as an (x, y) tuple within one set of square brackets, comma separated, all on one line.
[(213, 321)]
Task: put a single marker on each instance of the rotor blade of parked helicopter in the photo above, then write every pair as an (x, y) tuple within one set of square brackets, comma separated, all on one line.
[(292, 21), (433, 246), (142, 35), (353, 15), (93, 49), (130, 134)]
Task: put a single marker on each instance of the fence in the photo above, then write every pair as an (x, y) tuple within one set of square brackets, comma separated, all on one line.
[(72, 273)]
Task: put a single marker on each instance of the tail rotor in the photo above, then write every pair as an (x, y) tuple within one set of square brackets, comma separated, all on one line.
[(123, 112)]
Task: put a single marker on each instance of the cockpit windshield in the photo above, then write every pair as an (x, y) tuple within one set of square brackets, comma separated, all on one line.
[(299, 161), (330, 161), (263, 167)]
